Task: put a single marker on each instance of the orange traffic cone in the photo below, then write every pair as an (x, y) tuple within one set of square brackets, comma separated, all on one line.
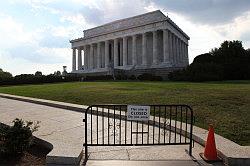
[(210, 153)]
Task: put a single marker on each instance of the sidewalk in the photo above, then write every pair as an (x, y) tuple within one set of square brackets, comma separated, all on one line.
[(65, 131), (59, 121)]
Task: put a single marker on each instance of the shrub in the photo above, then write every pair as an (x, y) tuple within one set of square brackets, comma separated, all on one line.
[(100, 77), (132, 77), (121, 76), (204, 72), (149, 77), (17, 138), (38, 79), (198, 72)]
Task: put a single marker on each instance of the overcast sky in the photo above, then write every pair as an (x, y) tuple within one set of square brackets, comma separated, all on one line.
[(34, 35)]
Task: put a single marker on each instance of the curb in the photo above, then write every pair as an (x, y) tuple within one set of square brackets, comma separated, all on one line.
[(226, 149), (50, 103)]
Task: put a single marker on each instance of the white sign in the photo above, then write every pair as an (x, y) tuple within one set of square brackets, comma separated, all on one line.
[(136, 112)]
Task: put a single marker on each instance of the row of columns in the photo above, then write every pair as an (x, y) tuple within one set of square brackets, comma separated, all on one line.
[(174, 51)]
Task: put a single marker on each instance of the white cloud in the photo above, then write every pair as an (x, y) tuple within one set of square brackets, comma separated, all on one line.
[(204, 37), (209, 12), (12, 32), (17, 65), (236, 28), (89, 3), (22, 52), (54, 52), (27, 67)]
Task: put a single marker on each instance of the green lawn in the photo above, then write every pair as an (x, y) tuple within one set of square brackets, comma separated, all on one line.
[(225, 104)]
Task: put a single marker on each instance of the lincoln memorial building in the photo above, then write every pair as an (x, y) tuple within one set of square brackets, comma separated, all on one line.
[(148, 43)]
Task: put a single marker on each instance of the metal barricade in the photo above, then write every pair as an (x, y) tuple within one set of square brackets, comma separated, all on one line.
[(108, 125)]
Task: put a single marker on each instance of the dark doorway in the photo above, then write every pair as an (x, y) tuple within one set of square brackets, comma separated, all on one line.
[(110, 52)]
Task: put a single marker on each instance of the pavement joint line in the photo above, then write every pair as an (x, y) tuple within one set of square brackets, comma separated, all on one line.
[(47, 134), (128, 154), (70, 128), (116, 150), (225, 148), (60, 130)]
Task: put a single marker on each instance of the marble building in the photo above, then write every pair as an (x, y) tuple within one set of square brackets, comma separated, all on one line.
[(147, 43)]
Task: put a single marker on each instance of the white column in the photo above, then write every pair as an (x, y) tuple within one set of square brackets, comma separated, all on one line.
[(116, 52), (88, 56), (91, 57), (98, 55), (79, 66), (171, 53), (178, 51), (155, 50), (186, 53), (183, 59), (74, 59), (85, 58), (166, 42), (144, 49), (180, 56), (134, 58), (106, 54), (175, 50), (124, 52)]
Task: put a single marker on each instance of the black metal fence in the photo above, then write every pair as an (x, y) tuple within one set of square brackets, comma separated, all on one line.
[(108, 125)]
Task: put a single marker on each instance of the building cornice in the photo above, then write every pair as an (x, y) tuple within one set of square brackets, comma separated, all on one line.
[(162, 19)]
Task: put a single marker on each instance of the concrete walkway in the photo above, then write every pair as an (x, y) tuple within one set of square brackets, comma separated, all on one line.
[(229, 151), (65, 131), (62, 128)]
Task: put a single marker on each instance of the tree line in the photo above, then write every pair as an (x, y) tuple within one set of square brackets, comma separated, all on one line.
[(228, 62), (6, 78)]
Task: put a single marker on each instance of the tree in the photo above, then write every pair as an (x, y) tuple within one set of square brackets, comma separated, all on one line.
[(57, 73), (5, 75), (38, 73), (228, 62), (203, 58)]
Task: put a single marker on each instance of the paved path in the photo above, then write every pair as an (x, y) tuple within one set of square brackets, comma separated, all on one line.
[(62, 128), (65, 131), (141, 163)]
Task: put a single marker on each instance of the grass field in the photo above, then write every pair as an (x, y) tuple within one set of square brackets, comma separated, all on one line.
[(225, 104)]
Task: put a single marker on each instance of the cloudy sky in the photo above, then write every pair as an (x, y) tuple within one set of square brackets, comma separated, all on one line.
[(35, 34)]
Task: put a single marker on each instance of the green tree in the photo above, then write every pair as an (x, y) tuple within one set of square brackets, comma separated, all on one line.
[(5, 75), (57, 73), (228, 62), (38, 73)]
